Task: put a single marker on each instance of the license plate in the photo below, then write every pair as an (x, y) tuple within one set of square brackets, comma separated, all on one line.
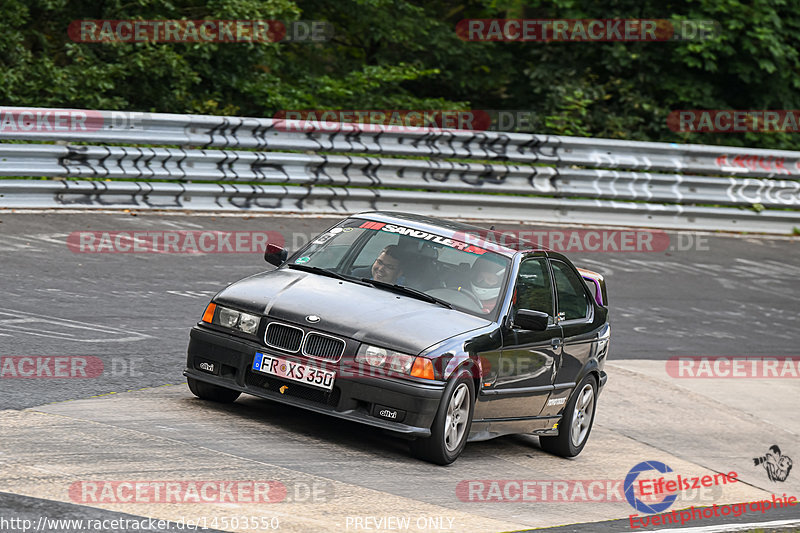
[(293, 371)]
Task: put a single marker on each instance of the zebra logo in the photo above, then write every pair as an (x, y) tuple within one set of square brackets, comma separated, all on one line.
[(777, 466)]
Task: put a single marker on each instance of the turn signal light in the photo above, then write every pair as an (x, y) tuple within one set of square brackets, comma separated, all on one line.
[(423, 368), (208, 316)]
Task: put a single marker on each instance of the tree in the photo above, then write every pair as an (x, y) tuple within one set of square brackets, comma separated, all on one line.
[(404, 54)]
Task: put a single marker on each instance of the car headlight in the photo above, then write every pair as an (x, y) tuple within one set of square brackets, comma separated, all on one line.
[(386, 359), (248, 323), (230, 318), (372, 355)]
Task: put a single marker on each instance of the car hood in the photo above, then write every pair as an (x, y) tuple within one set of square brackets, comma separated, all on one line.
[(364, 313)]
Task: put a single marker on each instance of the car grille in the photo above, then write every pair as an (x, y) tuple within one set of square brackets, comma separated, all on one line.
[(323, 347), (283, 337), (314, 344), (295, 390)]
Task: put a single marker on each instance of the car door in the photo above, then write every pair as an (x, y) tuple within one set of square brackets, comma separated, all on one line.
[(575, 316), (528, 359)]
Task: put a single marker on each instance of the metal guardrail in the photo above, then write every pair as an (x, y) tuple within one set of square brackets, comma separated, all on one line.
[(339, 200), (317, 167)]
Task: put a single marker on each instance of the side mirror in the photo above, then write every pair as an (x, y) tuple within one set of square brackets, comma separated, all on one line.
[(275, 255), (532, 320)]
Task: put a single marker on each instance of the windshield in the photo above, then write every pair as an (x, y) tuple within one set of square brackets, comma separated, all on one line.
[(467, 277)]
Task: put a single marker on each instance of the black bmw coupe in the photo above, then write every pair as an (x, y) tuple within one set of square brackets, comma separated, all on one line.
[(425, 327)]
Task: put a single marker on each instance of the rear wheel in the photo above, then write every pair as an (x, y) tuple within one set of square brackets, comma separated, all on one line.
[(576, 423), (215, 393), (452, 423)]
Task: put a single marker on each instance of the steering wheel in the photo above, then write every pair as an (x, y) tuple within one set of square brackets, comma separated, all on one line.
[(459, 298)]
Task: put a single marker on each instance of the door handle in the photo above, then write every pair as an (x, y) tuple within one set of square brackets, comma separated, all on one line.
[(555, 342)]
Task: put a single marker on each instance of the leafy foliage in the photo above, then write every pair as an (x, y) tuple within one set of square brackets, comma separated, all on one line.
[(405, 54)]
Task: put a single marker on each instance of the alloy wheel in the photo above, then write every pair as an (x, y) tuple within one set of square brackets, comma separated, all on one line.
[(457, 417), (582, 417)]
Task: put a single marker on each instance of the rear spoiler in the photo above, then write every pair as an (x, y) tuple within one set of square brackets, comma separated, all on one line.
[(596, 284)]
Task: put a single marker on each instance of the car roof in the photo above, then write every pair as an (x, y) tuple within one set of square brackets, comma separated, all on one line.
[(495, 241)]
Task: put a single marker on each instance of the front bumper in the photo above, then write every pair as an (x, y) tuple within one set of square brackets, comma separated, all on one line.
[(357, 398)]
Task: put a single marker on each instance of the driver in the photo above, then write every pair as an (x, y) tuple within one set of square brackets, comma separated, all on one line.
[(486, 278)]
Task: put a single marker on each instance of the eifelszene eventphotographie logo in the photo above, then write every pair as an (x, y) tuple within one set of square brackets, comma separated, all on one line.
[(655, 494)]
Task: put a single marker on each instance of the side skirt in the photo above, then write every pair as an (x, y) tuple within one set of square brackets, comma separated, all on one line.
[(489, 428)]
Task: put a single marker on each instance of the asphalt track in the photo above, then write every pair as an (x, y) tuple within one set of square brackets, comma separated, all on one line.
[(704, 295)]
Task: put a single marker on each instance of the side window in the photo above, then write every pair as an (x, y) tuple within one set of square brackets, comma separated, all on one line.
[(533, 286), (570, 289)]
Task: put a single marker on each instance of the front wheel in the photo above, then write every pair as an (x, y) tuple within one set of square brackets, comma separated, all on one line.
[(207, 391), (452, 423), (576, 423)]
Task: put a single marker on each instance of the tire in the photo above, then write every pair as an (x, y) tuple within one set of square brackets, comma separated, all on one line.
[(576, 423), (215, 393), (452, 422)]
